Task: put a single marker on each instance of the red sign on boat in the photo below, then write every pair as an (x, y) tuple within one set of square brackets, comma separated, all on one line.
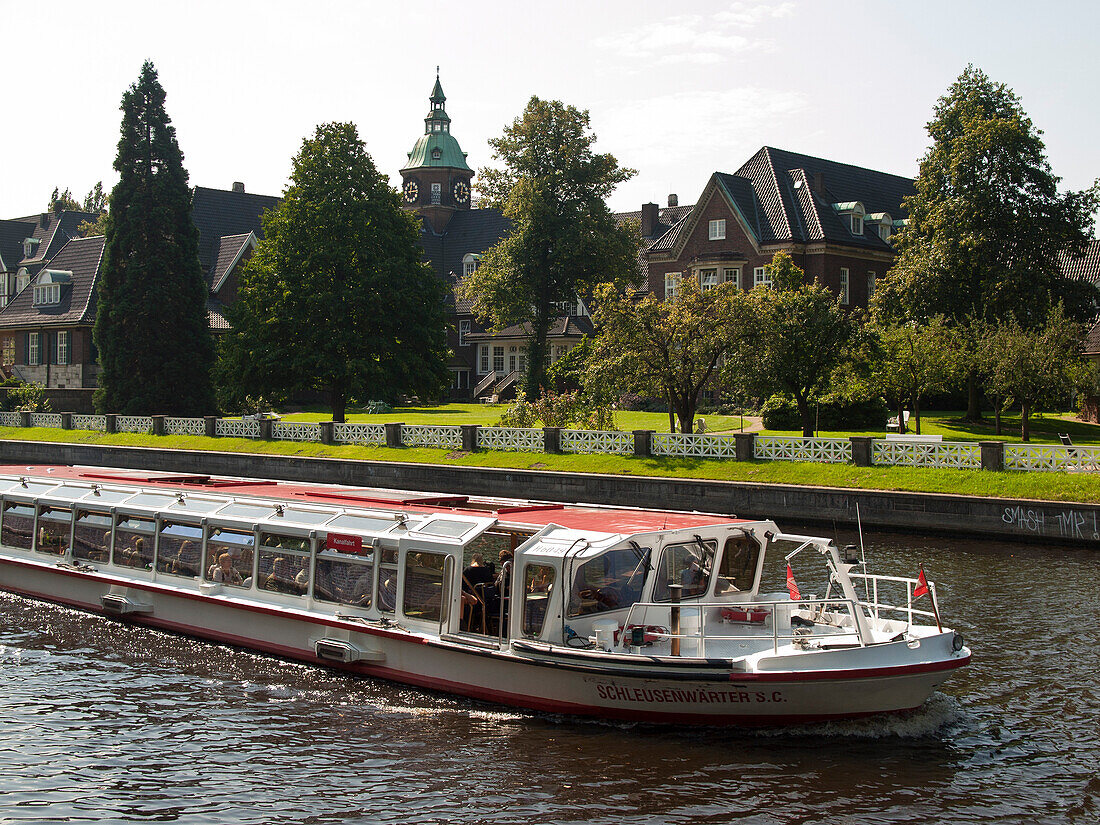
[(344, 544)]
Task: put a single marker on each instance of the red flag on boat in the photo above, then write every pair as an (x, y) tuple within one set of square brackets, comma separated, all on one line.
[(920, 590), (792, 585)]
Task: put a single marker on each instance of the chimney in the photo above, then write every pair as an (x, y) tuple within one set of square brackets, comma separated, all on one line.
[(649, 219), (819, 183), (238, 186), (673, 200), (44, 220)]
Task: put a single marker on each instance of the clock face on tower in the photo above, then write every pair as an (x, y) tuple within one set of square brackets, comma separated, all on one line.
[(461, 192), (411, 190)]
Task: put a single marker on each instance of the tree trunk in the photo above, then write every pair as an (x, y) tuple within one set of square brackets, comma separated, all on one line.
[(685, 411), (973, 398), (1025, 424), (671, 412), (806, 414), (339, 403), (536, 360), (916, 413), (997, 414)]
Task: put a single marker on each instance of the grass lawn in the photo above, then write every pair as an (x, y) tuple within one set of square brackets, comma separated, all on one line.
[(1080, 487)]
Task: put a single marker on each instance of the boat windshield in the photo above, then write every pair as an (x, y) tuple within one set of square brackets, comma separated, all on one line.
[(610, 581), (688, 564)]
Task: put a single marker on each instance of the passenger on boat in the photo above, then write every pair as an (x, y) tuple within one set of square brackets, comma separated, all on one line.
[(224, 572), (475, 578), (281, 580), (387, 593), (693, 579)]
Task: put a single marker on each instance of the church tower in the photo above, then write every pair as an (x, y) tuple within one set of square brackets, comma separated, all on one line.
[(435, 183)]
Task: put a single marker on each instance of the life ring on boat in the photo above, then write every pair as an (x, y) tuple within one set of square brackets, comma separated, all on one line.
[(652, 633)]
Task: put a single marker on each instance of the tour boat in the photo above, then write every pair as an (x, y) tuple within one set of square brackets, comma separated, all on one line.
[(617, 613)]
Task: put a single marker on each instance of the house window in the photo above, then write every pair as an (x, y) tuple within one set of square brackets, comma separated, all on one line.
[(32, 348), (857, 222), (870, 285), (8, 355), (483, 360), (45, 294), (498, 359), (469, 264), (463, 331), (844, 285), (717, 229), (672, 284), (732, 276), (760, 277), (565, 308), (708, 279), (30, 247), (21, 280), (437, 192), (63, 347), (436, 154)]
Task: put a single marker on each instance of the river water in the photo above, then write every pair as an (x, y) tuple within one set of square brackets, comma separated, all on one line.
[(105, 722)]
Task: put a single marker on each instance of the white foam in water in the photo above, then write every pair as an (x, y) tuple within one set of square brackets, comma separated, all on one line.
[(940, 713)]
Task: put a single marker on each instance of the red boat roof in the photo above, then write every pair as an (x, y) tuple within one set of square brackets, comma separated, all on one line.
[(508, 511)]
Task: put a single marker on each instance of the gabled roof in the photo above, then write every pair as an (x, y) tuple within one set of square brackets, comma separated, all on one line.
[(215, 315), (573, 326), (12, 235), (667, 218), (468, 231), (81, 257), (53, 230), (1085, 267), (219, 213), (230, 250)]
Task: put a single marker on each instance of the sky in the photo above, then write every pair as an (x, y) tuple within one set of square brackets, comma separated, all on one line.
[(675, 90)]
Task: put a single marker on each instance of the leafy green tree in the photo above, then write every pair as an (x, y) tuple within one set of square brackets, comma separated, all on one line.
[(987, 222), (804, 338), (63, 201), (96, 199), (667, 349), (155, 349), (1035, 367), (564, 239), (913, 360), (336, 297)]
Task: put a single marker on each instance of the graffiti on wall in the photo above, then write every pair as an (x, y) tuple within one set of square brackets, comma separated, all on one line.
[(1074, 524)]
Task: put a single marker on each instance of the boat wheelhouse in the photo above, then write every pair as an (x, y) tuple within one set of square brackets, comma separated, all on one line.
[(610, 612)]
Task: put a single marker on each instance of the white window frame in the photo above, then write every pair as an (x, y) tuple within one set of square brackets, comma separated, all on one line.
[(32, 349), (705, 275), (845, 281), (760, 277), (463, 331), (469, 264), (46, 294), (63, 346), (732, 274), (672, 284), (871, 278), (498, 357), (717, 230), (483, 360), (857, 222)]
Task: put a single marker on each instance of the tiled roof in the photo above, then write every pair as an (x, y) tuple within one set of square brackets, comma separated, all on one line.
[(469, 231), (12, 234), (81, 257), (573, 326), (1086, 267), (53, 230), (667, 217), (218, 213), (229, 250), (215, 315)]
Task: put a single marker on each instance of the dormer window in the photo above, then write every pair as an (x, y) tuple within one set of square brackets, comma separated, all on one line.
[(882, 223), (22, 278), (469, 264), (30, 247), (436, 153), (852, 212), (47, 290)]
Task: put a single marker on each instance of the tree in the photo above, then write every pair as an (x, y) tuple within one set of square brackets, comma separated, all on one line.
[(155, 350), (987, 223), (803, 338), (96, 202), (1033, 366), (63, 201), (336, 297), (564, 240), (914, 359), (670, 349)]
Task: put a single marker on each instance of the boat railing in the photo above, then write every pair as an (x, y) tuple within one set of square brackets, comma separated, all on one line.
[(872, 586), (698, 621)]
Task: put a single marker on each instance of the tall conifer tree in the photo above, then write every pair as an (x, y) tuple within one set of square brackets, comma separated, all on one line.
[(155, 349)]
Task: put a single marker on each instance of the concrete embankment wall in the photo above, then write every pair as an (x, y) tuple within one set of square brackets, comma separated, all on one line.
[(1015, 519)]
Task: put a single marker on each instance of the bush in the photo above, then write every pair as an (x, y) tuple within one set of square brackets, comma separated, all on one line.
[(557, 410), (27, 398), (834, 413)]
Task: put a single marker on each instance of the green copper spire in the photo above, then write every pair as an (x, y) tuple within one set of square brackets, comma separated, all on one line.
[(437, 98), (437, 147)]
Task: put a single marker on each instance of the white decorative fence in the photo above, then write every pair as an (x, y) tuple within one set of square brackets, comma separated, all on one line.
[(237, 429), (596, 441), (45, 419), (445, 435), (281, 431), (792, 448), (133, 424), (184, 426), (511, 439), (1051, 457), (960, 455), (89, 422), (10, 419), (372, 434), (694, 446)]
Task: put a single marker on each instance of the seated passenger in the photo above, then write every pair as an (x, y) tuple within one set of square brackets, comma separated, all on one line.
[(693, 579), (387, 594), (225, 573), (280, 579)]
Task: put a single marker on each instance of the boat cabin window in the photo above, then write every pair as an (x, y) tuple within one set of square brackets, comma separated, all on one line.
[(133, 541), (688, 565), (18, 525), (54, 526), (538, 584), (424, 585), (737, 569), (179, 549), (92, 537), (344, 578), (361, 524), (446, 527), (387, 580), (612, 581), (229, 557)]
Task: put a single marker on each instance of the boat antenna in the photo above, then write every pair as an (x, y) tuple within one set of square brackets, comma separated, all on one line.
[(862, 554)]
